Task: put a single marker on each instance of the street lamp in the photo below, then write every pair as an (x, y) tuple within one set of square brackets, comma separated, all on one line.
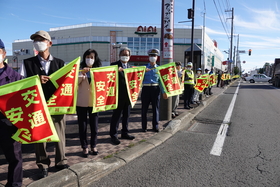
[(116, 46)]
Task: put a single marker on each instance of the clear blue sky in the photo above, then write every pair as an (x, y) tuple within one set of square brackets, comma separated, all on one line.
[(256, 21)]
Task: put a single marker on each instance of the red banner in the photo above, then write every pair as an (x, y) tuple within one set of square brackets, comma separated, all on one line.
[(169, 79), (200, 84), (105, 88), (212, 79), (63, 101), (23, 103), (134, 78)]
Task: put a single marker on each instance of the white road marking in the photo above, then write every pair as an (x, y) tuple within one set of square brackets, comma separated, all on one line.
[(221, 135)]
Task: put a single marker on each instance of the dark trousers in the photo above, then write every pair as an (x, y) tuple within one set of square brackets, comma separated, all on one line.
[(188, 94), (42, 158), (219, 80), (12, 152), (83, 113), (150, 94), (123, 111)]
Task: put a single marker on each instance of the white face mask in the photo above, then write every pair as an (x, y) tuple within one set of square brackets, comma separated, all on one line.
[(189, 68), (125, 58), (152, 58), (89, 61), (40, 46), (1, 58), (198, 72)]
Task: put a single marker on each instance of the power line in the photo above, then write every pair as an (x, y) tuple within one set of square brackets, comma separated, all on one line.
[(224, 19), (221, 19)]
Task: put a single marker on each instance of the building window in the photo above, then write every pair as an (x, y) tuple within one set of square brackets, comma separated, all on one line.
[(140, 46)]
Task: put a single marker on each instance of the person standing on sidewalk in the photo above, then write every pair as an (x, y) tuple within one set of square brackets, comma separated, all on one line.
[(188, 86), (210, 86), (206, 89), (196, 94), (219, 78), (85, 103), (151, 91), (10, 147), (44, 64), (176, 98), (124, 105)]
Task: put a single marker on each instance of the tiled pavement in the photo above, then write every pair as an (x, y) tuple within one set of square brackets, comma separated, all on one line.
[(73, 149)]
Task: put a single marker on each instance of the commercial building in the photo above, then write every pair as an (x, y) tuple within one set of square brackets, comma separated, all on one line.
[(69, 42)]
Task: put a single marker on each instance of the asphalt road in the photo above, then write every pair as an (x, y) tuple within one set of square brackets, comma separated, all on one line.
[(250, 154)]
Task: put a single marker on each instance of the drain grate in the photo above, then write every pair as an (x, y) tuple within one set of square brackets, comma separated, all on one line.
[(207, 128)]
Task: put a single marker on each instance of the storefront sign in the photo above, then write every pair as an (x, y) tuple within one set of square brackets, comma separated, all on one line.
[(146, 30), (167, 29)]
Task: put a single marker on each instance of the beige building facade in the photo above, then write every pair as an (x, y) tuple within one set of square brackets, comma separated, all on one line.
[(69, 42)]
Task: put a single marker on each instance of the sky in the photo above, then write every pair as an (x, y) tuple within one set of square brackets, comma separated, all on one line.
[(256, 22)]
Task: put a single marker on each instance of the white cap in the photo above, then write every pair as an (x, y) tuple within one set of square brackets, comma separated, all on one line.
[(189, 64)]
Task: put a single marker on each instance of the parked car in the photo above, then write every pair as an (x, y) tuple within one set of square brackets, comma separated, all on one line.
[(258, 78)]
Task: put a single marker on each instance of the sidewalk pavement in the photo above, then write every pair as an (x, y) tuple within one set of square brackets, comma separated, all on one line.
[(110, 157)]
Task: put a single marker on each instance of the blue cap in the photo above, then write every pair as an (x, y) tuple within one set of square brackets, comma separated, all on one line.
[(1, 44)]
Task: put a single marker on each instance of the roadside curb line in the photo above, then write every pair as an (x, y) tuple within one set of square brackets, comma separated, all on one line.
[(84, 173)]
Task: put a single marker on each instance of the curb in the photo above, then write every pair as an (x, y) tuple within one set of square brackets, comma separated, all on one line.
[(84, 173)]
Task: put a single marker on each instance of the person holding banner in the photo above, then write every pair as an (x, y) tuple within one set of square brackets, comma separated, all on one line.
[(196, 95), (45, 64), (10, 147), (85, 103), (206, 89), (124, 105), (188, 86), (176, 98), (151, 91), (210, 86)]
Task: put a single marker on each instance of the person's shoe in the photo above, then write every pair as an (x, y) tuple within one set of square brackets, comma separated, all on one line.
[(206, 95), (173, 115), (144, 130), (94, 151), (187, 107), (61, 167), (190, 107), (115, 140), (176, 114), (85, 152), (127, 136), (156, 129), (44, 172)]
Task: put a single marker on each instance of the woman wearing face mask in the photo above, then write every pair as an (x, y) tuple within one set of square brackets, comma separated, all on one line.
[(84, 102)]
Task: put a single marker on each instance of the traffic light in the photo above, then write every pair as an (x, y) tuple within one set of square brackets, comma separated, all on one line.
[(190, 13), (250, 51)]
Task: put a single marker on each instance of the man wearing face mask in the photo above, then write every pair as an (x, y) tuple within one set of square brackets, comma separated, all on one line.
[(124, 105), (10, 148), (44, 64), (188, 86), (151, 91)]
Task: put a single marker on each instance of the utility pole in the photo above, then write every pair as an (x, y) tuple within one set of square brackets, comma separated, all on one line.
[(167, 49), (203, 44), (193, 6), (231, 39)]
